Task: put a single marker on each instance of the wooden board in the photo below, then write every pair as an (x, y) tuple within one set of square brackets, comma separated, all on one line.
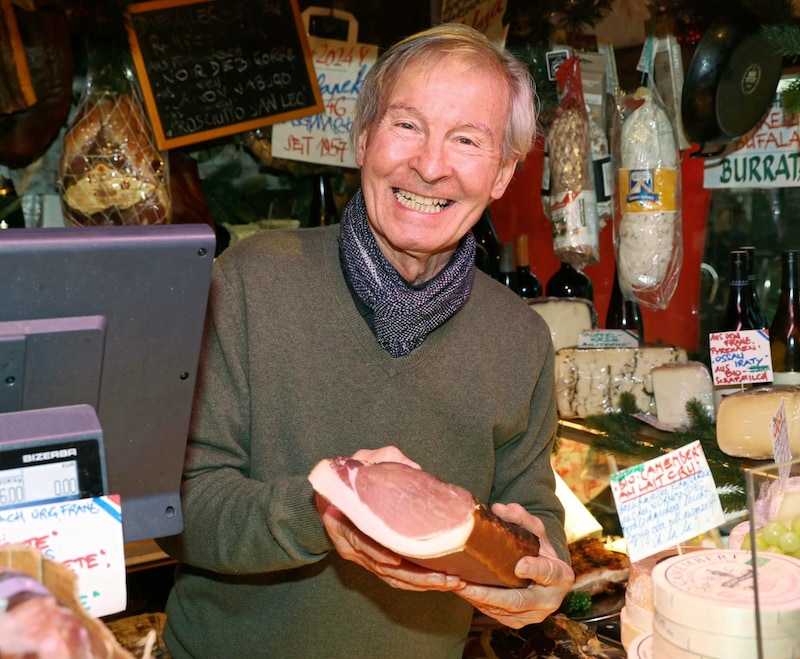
[(210, 68)]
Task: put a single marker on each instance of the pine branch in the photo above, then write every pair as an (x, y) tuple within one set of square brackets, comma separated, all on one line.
[(784, 37)]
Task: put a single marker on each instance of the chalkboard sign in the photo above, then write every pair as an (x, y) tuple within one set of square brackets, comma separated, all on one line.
[(209, 68)]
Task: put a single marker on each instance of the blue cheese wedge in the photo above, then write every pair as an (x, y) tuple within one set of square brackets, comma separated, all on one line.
[(591, 380)]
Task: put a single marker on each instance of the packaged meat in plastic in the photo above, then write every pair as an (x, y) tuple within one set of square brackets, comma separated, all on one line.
[(111, 171), (648, 237), (573, 202), (34, 624)]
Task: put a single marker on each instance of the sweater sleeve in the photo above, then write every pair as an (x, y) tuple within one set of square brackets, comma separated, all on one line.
[(523, 467), (233, 523)]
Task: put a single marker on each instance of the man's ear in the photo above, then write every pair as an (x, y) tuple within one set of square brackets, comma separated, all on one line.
[(504, 177)]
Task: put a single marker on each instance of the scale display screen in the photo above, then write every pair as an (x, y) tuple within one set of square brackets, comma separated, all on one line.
[(50, 473)]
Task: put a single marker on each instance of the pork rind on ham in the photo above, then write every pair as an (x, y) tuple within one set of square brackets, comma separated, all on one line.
[(648, 242), (437, 525)]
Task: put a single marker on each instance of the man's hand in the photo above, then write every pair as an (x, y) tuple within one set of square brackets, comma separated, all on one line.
[(551, 579)]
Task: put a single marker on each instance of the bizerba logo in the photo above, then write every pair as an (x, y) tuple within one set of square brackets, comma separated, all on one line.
[(44, 456)]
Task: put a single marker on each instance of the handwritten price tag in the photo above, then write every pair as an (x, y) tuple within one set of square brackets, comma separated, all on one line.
[(86, 536), (666, 501), (779, 431), (740, 357), (607, 338)]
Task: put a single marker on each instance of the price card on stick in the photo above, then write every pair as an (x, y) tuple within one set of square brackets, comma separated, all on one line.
[(779, 432), (741, 357), (666, 501), (340, 68), (83, 534)]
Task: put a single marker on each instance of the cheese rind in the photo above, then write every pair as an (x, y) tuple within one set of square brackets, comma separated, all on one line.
[(675, 384), (591, 380), (566, 317), (744, 417)]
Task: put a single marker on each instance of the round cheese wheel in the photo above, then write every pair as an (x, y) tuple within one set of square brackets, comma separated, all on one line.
[(629, 630), (641, 647), (723, 643), (713, 589)]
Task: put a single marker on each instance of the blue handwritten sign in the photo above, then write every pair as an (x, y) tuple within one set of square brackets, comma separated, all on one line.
[(325, 138), (86, 536), (666, 501), (740, 357)]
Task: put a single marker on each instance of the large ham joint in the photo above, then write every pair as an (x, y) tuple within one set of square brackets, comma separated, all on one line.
[(437, 525)]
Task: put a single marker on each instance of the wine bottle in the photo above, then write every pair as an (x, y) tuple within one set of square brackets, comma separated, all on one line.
[(739, 313), (11, 215), (323, 207), (529, 284), (487, 252), (507, 269), (751, 275), (624, 313), (784, 332), (569, 282)]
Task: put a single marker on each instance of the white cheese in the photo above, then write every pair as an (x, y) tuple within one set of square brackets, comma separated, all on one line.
[(743, 420), (566, 317), (591, 380), (641, 647), (675, 384)]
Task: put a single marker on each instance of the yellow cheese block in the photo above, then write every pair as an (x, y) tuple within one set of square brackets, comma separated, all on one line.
[(743, 420)]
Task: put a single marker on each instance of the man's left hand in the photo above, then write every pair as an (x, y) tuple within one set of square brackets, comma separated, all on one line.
[(551, 579)]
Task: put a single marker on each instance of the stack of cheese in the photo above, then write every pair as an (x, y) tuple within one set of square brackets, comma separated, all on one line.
[(636, 617), (705, 606)]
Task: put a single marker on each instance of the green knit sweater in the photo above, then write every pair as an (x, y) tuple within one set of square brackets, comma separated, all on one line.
[(292, 374)]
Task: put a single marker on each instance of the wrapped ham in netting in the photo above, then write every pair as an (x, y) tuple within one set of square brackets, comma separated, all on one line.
[(648, 238), (111, 171), (573, 202)]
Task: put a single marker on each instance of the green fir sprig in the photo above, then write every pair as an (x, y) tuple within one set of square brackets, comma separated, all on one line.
[(622, 435)]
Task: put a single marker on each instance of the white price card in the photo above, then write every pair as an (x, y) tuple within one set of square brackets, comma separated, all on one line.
[(741, 357), (666, 501), (608, 338), (86, 536), (779, 432)]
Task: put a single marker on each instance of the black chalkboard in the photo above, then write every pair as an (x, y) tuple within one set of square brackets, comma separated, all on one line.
[(209, 68)]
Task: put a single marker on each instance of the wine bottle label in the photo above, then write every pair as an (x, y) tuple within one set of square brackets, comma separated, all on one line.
[(786, 377)]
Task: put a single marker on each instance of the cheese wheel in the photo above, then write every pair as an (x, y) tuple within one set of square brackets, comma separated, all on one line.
[(724, 643), (641, 647), (743, 420), (628, 630), (591, 380), (675, 384), (566, 317), (712, 590)]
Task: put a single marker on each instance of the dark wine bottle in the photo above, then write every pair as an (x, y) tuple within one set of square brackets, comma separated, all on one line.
[(569, 282), (739, 313), (624, 313), (11, 215), (784, 332), (487, 252), (751, 275), (323, 207), (507, 269), (529, 284)]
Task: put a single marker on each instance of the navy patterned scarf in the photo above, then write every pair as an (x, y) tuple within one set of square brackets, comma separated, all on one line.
[(403, 315)]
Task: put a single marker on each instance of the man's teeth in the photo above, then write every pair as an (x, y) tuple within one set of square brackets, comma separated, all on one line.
[(420, 204)]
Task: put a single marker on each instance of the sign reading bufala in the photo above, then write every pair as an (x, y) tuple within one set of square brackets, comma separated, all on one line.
[(209, 68)]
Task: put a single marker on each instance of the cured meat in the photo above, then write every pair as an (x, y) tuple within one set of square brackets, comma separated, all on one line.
[(597, 568), (434, 524)]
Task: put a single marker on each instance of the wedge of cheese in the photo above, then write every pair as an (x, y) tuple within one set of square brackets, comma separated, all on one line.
[(566, 317), (591, 380), (743, 420), (675, 384)]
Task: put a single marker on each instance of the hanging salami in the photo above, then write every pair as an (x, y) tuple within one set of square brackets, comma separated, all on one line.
[(573, 202), (648, 239)]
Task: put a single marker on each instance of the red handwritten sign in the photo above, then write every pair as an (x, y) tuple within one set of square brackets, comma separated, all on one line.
[(740, 357)]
